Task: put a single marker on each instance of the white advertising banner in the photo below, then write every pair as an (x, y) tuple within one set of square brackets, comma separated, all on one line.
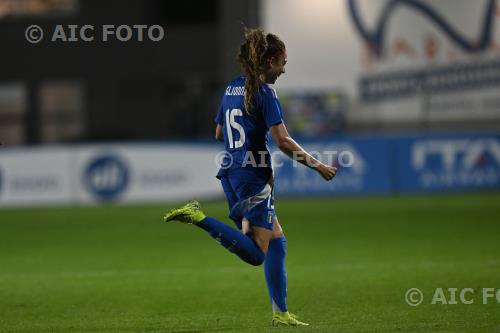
[(108, 173), (35, 176), (395, 60), (138, 173)]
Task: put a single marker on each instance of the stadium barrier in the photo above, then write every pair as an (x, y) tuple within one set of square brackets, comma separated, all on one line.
[(107, 173), (413, 163), (174, 172)]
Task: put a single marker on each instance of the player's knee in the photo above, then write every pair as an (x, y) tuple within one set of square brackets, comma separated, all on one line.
[(278, 233), (257, 263), (257, 260), (277, 230)]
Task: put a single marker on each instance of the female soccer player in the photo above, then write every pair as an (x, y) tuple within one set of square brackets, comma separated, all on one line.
[(249, 111)]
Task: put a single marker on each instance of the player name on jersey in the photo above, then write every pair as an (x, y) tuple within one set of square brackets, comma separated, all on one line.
[(235, 91)]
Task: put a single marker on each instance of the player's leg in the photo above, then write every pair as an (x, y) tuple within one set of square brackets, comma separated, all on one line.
[(273, 243), (247, 203), (267, 232), (274, 269), (233, 240), (262, 236), (260, 221)]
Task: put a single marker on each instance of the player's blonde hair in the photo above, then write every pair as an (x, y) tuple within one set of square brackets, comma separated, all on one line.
[(253, 56)]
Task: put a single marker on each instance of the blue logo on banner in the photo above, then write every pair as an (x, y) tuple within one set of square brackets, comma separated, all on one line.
[(449, 163), (106, 177)]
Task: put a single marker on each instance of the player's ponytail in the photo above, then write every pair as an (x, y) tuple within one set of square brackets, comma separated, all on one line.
[(253, 55)]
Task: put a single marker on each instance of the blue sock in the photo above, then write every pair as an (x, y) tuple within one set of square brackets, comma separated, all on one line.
[(275, 271), (233, 240)]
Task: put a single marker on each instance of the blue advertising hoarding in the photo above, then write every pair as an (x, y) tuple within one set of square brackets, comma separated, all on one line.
[(447, 162), (415, 163), (363, 167)]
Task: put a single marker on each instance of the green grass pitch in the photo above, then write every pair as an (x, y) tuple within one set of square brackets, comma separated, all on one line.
[(350, 262)]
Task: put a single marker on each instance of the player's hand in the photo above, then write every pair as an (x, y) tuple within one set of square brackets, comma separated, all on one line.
[(326, 171)]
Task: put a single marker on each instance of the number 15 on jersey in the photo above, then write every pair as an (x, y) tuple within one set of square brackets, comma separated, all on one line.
[(231, 124)]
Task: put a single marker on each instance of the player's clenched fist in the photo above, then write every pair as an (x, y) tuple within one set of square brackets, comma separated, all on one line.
[(327, 171)]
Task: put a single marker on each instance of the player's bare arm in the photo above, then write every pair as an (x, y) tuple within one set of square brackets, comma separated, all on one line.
[(219, 136), (292, 149)]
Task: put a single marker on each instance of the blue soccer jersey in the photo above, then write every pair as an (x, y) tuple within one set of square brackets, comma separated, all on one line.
[(246, 134), (246, 172)]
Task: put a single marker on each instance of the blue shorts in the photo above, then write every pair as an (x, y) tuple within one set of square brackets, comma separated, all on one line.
[(249, 195)]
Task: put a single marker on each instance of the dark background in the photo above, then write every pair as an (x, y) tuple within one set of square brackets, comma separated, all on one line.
[(174, 85)]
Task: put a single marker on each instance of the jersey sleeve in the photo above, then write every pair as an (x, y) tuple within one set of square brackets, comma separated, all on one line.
[(271, 108), (219, 118)]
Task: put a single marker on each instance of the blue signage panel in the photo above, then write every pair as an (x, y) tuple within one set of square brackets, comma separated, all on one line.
[(380, 165), (363, 167), (448, 162)]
